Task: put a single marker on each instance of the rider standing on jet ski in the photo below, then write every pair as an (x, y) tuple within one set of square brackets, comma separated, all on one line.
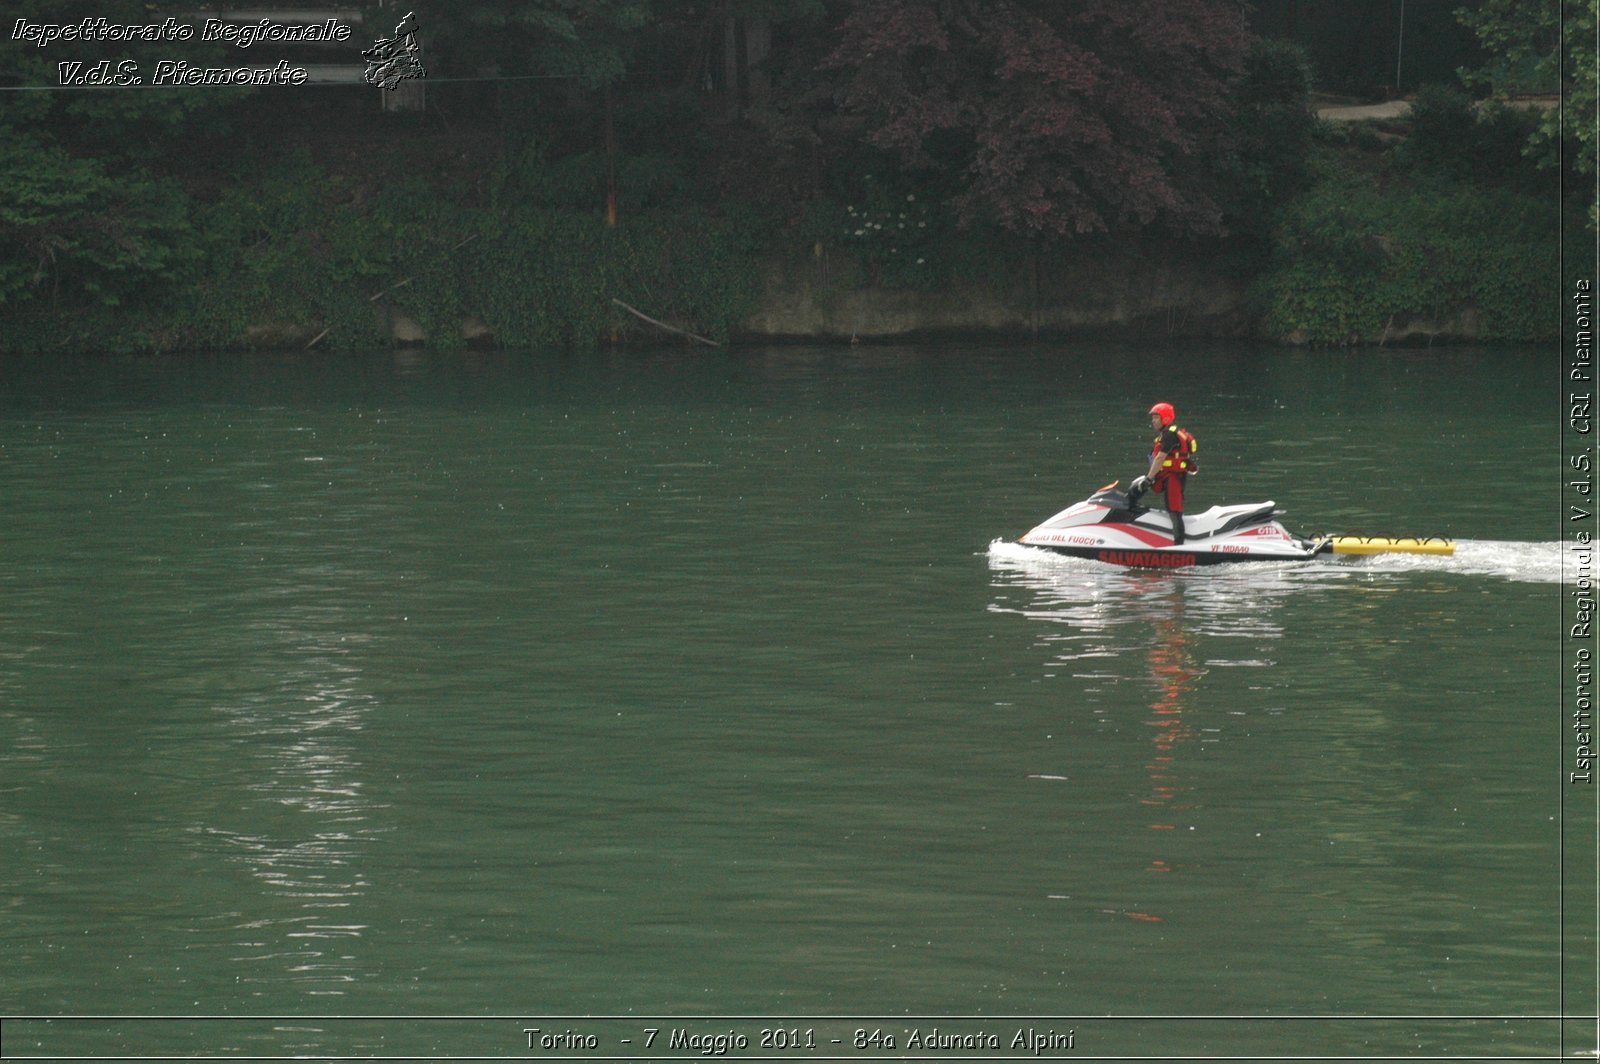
[(1171, 462)]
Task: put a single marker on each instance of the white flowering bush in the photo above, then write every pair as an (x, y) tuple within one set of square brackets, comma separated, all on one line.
[(894, 232), (900, 237)]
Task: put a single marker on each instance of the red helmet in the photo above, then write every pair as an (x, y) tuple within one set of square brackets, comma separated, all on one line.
[(1168, 415)]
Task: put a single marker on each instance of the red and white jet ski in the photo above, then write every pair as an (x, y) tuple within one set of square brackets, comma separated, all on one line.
[(1107, 528)]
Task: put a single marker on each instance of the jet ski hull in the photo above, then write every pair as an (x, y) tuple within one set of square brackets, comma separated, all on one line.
[(1106, 527), (1175, 557)]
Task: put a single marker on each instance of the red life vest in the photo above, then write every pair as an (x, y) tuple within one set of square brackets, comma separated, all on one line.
[(1180, 460)]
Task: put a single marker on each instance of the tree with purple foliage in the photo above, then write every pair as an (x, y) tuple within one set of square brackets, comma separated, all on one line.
[(1057, 117)]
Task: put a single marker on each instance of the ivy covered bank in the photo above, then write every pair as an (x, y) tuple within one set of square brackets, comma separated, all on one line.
[(833, 169)]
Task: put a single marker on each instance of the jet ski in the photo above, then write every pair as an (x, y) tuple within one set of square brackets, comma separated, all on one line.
[(1109, 527)]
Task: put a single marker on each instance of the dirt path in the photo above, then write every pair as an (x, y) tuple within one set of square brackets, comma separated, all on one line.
[(1358, 113)]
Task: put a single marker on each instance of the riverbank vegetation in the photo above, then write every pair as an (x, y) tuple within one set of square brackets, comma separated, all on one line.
[(579, 158), (1438, 225)]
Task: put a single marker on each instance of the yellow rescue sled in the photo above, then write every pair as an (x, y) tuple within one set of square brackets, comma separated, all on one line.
[(1390, 545)]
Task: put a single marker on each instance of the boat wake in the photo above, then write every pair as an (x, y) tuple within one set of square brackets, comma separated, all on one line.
[(1521, 562)]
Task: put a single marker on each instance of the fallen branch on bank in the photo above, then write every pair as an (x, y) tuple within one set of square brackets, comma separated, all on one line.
[(385, 291), (663, 325)]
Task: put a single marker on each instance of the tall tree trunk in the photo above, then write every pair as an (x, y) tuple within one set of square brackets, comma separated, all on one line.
[(757, 46), (746, 42), (731, 41)]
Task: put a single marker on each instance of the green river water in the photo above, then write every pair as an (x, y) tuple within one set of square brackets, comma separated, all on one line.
[(393, 706)]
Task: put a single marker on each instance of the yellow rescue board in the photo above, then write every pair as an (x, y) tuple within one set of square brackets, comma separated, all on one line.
[(1386, 545)]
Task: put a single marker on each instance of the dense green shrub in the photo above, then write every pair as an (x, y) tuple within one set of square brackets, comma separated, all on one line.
[(1354, 257), (72, 233), (300, 252), (1456, 139), (1272, 131)]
